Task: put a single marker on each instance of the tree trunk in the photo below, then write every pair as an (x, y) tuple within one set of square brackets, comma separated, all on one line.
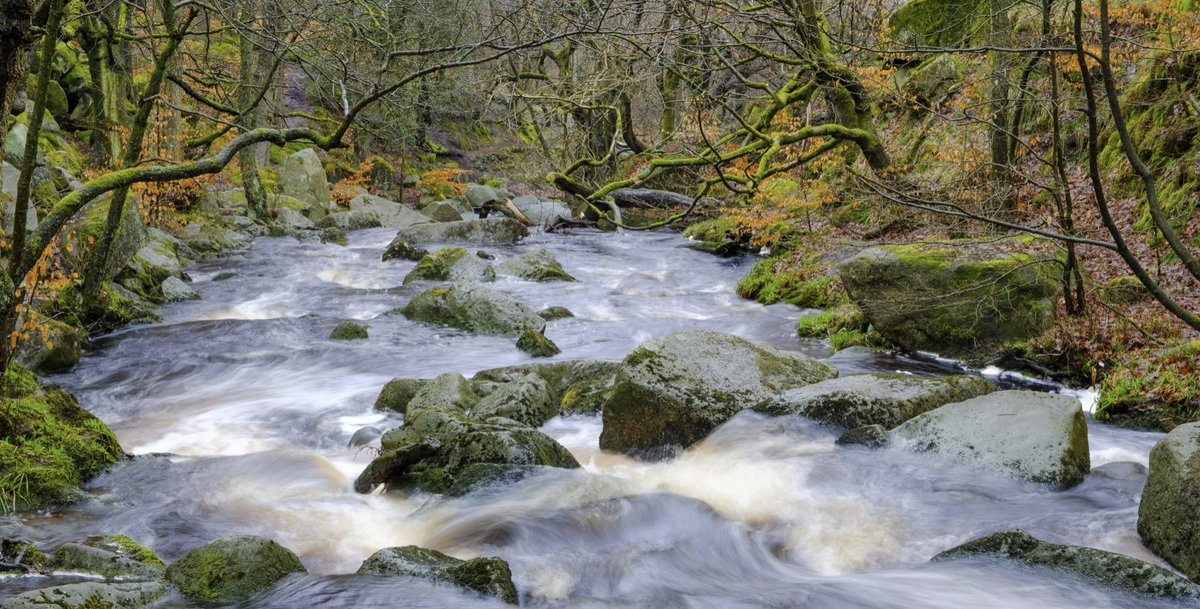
[(998, 38), (14, 35), (256, 196)]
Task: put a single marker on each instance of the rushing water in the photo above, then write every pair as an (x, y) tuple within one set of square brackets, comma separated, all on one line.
[(240, 411)]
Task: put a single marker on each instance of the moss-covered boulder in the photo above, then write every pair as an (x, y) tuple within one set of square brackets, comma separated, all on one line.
[(673, 391), (933, 80), (473, 308), (434, 450), (401, 250), (555, 313), (131, 237), (302, 177), (1039, 437), (1124, 290), (110, 557), (578, 387), (348, 330), (397, 393), (525, 400), (49, 445), (151, 265), (1169, 515), (935, 23), (538, 265), (20, 555), (536, 344), (449, 392), (52, 346), (874, 399), (1099, 567), (175, 289), (487, 231), (951, 300), (233, 568), (90, 595), (451, 264), (487, 576)]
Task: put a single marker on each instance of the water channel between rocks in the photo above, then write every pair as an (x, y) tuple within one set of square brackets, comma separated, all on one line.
[(241, 410)]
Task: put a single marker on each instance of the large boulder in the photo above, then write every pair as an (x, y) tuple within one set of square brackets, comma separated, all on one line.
[(1034, 436), (480, 196), (933, 80), (442, 211), (151, 265), (52, 346), (674, 391), (489, 231), (303, 177), (1169, 515), (233, 568), (874, 399), (935, 23), (14, 144), (175, 290), (8, 200), (525, 400), (130, 238), (389, 213), (89, 595), (400, 250), (541, 213), (397, 393), (951, 300), (474, 308), (448, 391), (538, 265), (1100, 567), (451, 264), (488, 576), (49, 445)]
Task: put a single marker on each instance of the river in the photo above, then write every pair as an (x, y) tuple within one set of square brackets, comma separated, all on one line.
[(240, 411)]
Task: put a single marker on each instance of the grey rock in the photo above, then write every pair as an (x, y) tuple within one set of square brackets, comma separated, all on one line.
[(302, 177), (1033, 436), (389, 213), (874, 399), (542, 213), (488, 576), (175, 290), (525, 400), (451, 264), (89, 595), (1169, 515), (538, 265), (474, 308), (490, 231), (871, 436)]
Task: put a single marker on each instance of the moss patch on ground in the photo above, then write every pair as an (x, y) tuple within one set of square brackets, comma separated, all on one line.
[(1155, 389)]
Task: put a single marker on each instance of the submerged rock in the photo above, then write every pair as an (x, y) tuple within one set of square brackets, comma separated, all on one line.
[(555, 313), (538, 265), (947, 300), (112, 557), (89, 595), (233, 568), (674, 391), (874, 399), (490, 231), (1104, 568), (473, 308), (871, 436), (1169, 515), (536, 344), (451, 264), (1040, 437), (488, 576)]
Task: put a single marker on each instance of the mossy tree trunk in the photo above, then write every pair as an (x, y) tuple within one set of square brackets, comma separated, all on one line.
[(14, 35), (248, 71), (999, 37)]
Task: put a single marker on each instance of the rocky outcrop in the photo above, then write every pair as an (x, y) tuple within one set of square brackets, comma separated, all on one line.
[(473, 308), (874, 399), (110, 557), (302, 177), (1100, 567), (489, 231), (538, 265), (233, 568), (451, 264), (1039, 437), (487, 576), (397, 393), (673, 391), (951, 300), (152, 264), (1169, 515), (89, 595), (525, 400)]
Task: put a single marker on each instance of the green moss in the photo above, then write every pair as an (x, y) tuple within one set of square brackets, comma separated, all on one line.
[(132, 549), (48, 446), (714, 230), (779, 280), (436, 266), (935, 23), (536, 344), (1157, 390), (348, 330)]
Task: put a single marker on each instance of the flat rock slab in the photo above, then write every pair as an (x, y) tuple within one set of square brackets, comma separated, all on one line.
[(1039, 437), (874, 399), (489, 231), (89, 595)]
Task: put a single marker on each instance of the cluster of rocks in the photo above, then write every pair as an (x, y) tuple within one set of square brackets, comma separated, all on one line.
[(115, 571)]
